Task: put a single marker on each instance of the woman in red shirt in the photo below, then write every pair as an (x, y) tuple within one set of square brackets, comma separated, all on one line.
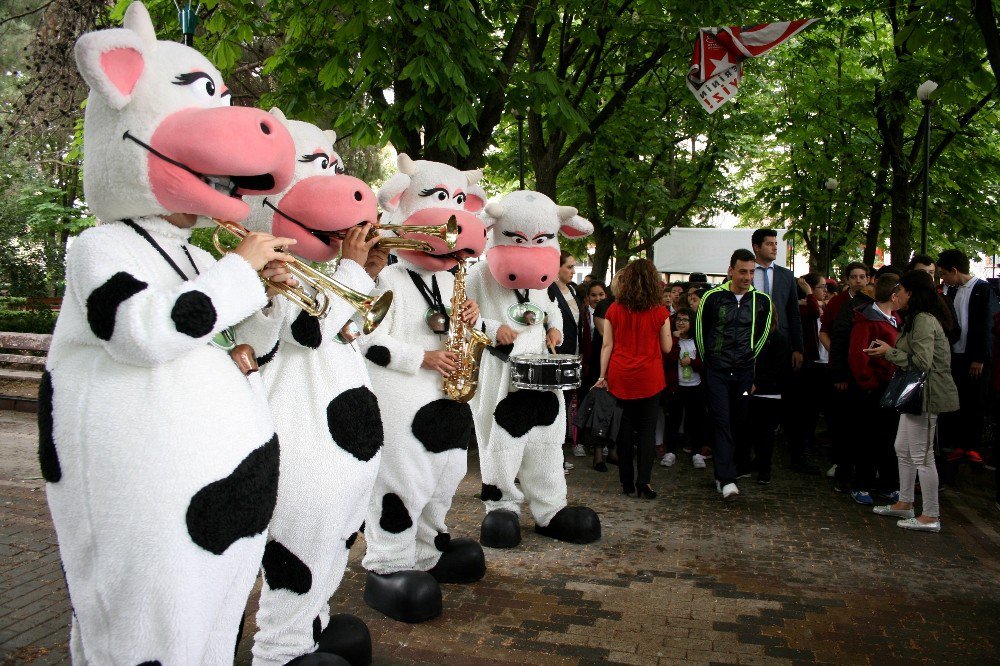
[(638, 331)]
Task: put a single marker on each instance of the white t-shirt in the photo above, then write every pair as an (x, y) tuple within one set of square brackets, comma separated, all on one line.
[(962, 297), (571, 302), (689, 347), (824, 354)]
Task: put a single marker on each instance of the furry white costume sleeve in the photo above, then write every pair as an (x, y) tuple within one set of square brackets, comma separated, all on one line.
[(520, 432), (326, 415), (427, 438), (161, 461)]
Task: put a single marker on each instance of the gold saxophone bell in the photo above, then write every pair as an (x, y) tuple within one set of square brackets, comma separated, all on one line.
[(448, 232), (371, 309)]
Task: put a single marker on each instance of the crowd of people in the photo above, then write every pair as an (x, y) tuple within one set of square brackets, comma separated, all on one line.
[(715, 372)]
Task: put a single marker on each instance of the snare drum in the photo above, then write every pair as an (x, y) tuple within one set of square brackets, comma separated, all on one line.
[(545, 372)]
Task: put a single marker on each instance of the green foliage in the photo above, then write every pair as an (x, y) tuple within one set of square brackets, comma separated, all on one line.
[(38, 320)]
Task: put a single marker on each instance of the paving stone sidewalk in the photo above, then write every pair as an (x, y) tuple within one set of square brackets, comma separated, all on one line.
[(788, 573)]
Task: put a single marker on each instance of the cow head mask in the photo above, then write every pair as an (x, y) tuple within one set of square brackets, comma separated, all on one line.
[(523, 249), (160, 136), (427, 194), (321, 200)]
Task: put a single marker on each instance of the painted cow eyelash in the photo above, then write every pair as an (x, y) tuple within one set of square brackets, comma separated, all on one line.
[(188, 78)]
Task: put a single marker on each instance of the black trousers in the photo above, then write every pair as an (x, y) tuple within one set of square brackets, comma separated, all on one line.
[(763, 417), (808, 389), (870, 448), (635, 440), (686, 406), (964, 429), (728, 395)]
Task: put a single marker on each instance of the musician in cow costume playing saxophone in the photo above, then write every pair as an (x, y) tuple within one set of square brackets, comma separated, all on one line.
[(325, 413), (520, 432), (410, 550), (160, 456)]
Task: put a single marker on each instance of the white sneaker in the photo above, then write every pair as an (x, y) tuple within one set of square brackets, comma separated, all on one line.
[(729, 491), (718, 486), (567, 465), (698, 461), (668, 460), (832, 472), (579, 451)]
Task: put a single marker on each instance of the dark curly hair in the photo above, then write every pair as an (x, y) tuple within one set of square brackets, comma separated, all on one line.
[(639, 286), (924, 297)]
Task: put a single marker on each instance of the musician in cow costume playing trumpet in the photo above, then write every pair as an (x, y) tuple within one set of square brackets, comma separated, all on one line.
[(520, 432), (324, 410), (161, 458), (410, 550)]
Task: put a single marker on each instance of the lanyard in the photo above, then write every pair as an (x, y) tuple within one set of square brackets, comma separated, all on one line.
[(521, 298), (431, 295), (152, 241)]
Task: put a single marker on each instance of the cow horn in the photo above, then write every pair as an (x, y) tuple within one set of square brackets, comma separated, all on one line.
[(494, 209), (473, 177), (566, 212), (279, 114), (405, 164), (137, 20), (330, 135)]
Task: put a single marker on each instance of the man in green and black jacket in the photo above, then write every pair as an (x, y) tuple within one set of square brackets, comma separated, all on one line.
[(734, 320)]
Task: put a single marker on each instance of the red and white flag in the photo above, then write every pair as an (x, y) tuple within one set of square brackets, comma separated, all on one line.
[(717, 61)]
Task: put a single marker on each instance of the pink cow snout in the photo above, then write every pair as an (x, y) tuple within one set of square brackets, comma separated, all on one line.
[(318, 205), (248, 146), (471, 238), (523, 267)]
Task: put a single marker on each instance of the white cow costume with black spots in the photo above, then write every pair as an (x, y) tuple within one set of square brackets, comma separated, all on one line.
[(161, 460), (409, 548), (326, 415), (520, 432)]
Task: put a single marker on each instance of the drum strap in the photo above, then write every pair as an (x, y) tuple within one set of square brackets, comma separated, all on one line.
[(152, 241)]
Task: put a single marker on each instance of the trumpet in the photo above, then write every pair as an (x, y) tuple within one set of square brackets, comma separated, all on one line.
[(448, 232), (371, 310)]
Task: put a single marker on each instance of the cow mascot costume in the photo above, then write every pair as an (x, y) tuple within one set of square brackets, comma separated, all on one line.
[(326, 415), (520, 432), (410, 550), (160, 457)]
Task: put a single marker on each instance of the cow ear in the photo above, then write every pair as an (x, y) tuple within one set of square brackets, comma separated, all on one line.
[(473, 177), (389, 194), (572, 225), (279, 114), (475, 198), (111, 62), (331, 136), (405, 164), (493, 212), (137, 20)]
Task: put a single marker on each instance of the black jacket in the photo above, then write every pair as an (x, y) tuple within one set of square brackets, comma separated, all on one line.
[(571, 330), (773, 370), (599, 413), (840, 336), (982, 307), (730, 332)]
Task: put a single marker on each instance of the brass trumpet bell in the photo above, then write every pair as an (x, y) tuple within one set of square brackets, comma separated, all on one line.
[(371, 310), (448, 232)]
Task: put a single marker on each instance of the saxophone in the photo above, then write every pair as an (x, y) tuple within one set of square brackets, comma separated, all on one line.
[(461, 384)]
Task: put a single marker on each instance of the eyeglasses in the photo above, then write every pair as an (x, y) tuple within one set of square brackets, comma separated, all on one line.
[(682, 319)]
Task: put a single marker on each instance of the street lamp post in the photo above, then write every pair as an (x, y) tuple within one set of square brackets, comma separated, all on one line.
[(924, 95), (831, 184), (520, 145)]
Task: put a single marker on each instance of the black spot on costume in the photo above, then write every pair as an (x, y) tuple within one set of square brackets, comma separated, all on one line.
[(306, 331), (193, 314), (443, 425), (355, 423), (379, 355), (395, 518), (103, 302), (490, 493), (48, 457), (442, 540), (266, 358), (283, 570), (521, 411), (237, 506)]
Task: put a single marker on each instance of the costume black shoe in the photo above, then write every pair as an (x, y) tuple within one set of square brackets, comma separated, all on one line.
[(318, 659), (501, 529), (348, 637), (573, 524), (461, 562), (406, 596)]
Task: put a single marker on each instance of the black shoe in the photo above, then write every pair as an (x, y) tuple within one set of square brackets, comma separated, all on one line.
[(600, 467), (804, 467), (500, 529), (646, 492), (462, 561), (348, 637), (319, 659), (573, 524), (628, 490), (406, 596)]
